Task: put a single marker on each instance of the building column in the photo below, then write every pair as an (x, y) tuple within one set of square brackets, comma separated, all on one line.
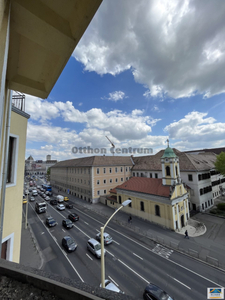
[(174, 221), (188, 211), (178, 217), (185, 216)]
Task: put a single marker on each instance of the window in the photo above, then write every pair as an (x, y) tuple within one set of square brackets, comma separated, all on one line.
[(137, 174), (133, 174), (116, 180), (116, 169), (190, 177), (167, 171), (121, 169), (126, 169), (104, 191), (98, 182), (110, 170), (157, 210), (142, 207), (121, 179), (98, 192), (97, 170), (78, 180), (150, 175), (104, 170), (120, 201), (156, 175), (176, 171), (12, 160), (202, 205), (205, 204), (211, 201), (104, 181), (110, 180)]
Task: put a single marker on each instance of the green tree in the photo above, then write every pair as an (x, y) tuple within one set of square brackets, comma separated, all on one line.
[(48, 174), (220, 163)]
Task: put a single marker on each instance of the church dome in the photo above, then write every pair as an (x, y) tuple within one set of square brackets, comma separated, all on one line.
[(168, 153)]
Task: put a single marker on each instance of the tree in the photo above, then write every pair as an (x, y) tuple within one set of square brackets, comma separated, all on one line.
[(220, 163), (48, 174)]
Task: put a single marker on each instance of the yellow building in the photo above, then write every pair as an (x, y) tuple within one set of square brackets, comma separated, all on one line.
[(11, 235), (163, 201), (36, 41)]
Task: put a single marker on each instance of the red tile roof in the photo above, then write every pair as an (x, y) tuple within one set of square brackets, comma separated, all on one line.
[(144, 185)]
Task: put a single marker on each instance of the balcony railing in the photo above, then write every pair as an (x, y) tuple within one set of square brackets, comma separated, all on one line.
[(18, 101)]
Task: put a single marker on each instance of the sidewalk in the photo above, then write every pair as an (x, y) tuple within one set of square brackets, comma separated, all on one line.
[(206, 233)]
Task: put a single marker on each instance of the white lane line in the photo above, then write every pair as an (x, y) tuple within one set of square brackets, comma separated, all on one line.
[(86, 223), (147, 281), (138, 256), (113, 281), (61, 250), (63, 230), (180, 282), (82, 231), (173, 262), (42, 233), (89, 256), (116, 242)]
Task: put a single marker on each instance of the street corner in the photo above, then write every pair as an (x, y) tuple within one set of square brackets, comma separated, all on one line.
[(194, 228)]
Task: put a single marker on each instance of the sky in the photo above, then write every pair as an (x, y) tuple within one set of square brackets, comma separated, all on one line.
[(144, 71)]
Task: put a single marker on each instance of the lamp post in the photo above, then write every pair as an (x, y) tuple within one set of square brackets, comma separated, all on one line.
[(125, 203)]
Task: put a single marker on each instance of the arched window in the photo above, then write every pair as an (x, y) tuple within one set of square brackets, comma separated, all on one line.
[(142, 207), (167, 171), (157, 210), (120, 201), (176, 170)]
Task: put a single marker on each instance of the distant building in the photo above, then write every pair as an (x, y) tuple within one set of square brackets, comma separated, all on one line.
[(213, 150), (38, 167), (90, 177)]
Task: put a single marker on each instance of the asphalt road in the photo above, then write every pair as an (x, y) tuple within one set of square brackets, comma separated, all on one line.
[(131, 261)]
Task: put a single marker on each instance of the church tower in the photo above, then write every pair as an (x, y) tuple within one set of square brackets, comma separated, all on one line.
[(170, 167)]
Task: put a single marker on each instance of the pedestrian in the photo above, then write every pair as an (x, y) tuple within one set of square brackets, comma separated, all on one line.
[(130, 219), (186, 235)]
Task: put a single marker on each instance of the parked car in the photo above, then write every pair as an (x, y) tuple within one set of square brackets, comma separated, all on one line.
[(73, 217), (66, 199), (53, 202), (60, 206), (69, 244), (94, 247), (109, 285), (26, 192), (154, 292), (67, 223), (47, 198), (69, 205), (32, 199), (107, 238), (50, 221), (44, 196)]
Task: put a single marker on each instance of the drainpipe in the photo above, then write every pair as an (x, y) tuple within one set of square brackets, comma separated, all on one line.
[(5, 161)]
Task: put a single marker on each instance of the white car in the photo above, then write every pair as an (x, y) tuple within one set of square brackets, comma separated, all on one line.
[(47, 198), (32, 199), (60, 206)]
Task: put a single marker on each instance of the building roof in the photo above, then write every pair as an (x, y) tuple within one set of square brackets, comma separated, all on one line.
[(43, 36), (152, 186), (95, 161), (187, 162), (169, 153), (30, 158), (214, 150)]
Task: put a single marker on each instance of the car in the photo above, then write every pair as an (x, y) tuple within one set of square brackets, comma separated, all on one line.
[(107, 238), (69, 244), (154, 292), (50, 221), (66, 199), (60, 206), (47, 198), (26, 192), (32, 199), (44, 196), (69, 205), (73, 217), (24, 200), (109, 285), (53, 202), (67, 223), (95, 247)]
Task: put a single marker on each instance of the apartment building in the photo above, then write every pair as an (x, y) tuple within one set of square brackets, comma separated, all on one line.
[(197, 171), (90, 177), (163, 201)]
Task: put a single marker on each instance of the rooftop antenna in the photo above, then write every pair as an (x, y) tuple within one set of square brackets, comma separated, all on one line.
[(113, 146)]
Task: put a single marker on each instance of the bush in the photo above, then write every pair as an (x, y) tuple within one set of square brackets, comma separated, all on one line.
[(221, 206), (213, 211)]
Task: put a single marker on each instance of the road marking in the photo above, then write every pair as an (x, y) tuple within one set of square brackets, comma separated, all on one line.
[(113, 281), (147, 281), (138, 256), (162, 251), (63, 230), (86, 223), (62, 250), (42, 233), (180, 282), (116, 242), (89, 256)]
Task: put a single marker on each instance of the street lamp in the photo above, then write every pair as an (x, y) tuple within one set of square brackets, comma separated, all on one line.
[(125, 203)]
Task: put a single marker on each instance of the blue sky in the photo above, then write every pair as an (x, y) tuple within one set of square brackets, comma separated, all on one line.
[(144, 71)]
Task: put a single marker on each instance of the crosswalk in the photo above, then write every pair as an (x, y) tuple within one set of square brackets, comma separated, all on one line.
[(162, 251)]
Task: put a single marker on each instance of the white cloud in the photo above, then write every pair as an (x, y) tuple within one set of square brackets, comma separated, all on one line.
[(173, 47), (115, 96), (195, 130)]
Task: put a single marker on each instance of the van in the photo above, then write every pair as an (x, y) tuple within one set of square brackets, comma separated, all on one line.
[(40, 207), (95, 247), (60, 198)]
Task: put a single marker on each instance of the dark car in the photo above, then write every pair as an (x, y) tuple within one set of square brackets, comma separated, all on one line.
[(53, 202), (50, 221), (154, 292), (67, 223), (73, 217), (69, 244), (48, 193), (68, 205)]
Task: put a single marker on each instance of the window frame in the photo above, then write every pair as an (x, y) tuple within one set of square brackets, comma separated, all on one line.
[(14, 160)]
